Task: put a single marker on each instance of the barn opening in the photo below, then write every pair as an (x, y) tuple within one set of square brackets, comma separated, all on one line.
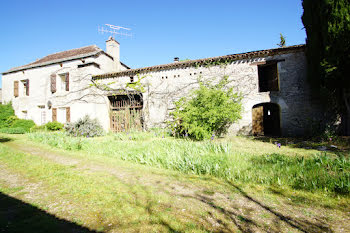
[(126, 112), (266, 119), (268, 77)]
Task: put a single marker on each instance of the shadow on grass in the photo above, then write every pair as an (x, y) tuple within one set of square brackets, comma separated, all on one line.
[(5, 139), (17, 216), (302, 225), (339, 144)]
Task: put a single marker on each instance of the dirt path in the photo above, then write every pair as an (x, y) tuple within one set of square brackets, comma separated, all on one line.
[(247, 213)]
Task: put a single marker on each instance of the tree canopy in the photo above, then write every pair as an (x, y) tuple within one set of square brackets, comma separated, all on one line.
[(327, 24)]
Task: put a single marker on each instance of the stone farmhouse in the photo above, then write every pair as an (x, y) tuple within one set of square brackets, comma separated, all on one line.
[(88, 81)]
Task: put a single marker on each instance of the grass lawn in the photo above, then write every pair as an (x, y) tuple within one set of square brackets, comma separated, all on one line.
[(148, 182)]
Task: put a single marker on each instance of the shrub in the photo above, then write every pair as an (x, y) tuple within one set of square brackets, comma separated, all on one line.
[(84, 127), (17, 130), (10, 121), (208, 112), (6, 111), (37, 128), (54, 126), (25, 124)]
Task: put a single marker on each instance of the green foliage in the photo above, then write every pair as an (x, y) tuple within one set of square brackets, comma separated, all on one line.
[(24, 124), (136, 85), (327, 24), (54, 126), (17, 130), (319, 172), (207, 112), (6, 111), (11, 120), (84, 127), (282, 41), (58, 140)]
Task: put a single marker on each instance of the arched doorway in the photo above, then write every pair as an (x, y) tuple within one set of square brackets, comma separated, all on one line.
[(266, 119)]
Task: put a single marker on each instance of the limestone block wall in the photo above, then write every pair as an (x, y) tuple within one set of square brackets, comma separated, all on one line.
[(81, 98), (164, 87)]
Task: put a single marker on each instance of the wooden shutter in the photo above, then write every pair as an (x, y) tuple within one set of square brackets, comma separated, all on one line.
[(27, 87), (258, 120), (15, 88), (68, 114), (53, 83), (54, 114), (67, 82)]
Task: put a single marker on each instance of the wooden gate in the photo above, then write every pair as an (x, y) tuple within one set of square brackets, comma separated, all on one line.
[(258, 120), (126, 113)]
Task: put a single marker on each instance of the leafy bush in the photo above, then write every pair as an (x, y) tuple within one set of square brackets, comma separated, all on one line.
[(54, 126), (37, 128), (208, 112), (6, 111), (84, 127), (10, 121), (17, 130), (24, 124)]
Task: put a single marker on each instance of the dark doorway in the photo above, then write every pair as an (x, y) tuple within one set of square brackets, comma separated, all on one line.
[(126, 112), (266, 119)]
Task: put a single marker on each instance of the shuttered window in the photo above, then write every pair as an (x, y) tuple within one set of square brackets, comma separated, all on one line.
[(54, 114), (68, 114), (67, 82), (27, 87), (15, 88), (53, 83)]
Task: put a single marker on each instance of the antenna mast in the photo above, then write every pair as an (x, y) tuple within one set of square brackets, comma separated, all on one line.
[(114, 30)]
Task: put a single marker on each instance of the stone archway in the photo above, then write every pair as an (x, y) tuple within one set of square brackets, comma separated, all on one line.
[(266, 119)]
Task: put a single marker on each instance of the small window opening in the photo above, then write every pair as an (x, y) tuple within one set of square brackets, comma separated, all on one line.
[(268, 77), (131, 79), (24, 85)]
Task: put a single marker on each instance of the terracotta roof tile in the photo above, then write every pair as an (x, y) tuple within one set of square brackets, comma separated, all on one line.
[(60, 57), (174, 65)]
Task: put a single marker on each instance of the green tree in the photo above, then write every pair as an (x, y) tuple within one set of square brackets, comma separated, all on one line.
[(327, 24), (208, 111)]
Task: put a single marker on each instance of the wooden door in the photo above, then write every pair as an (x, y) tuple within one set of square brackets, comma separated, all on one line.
[(125, 115), (258, 120)]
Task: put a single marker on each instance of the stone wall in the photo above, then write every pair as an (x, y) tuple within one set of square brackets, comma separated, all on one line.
[(165, 86)]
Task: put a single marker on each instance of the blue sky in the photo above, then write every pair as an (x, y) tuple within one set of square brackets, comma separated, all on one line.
[(161, 30)]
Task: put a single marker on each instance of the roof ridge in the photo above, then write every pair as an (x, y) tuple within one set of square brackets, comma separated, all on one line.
[(237, 56)]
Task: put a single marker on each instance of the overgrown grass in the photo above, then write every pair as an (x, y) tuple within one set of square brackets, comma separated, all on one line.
[(274, 166), (96, 200)]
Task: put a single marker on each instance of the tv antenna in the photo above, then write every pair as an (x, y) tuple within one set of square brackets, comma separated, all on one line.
[(114, 30)]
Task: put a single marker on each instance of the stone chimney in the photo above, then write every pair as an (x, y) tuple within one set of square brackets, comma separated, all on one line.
[(113, 49), (176, 59)]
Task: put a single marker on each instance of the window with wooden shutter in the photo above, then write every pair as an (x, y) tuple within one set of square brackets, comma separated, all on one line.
[(67, 114), (54, 114), (67, 82), (15, 88), (53, 83), (27, 87)]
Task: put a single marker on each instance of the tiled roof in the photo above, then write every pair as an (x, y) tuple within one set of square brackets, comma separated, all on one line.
[(183, 64), (68, 55)]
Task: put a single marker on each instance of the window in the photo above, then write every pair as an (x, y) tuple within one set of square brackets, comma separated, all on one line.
[(268, 77), (42, 114), (25, 87), (63, 114), (63, 82), (131, 79)]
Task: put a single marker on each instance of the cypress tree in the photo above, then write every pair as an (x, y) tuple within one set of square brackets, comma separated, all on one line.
[(327, 25)]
